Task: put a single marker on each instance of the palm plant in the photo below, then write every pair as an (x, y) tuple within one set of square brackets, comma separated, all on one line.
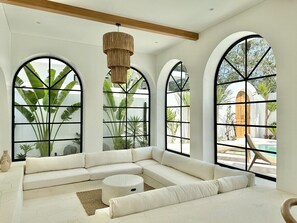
[(117, 114), (171, 125), (134, 127), (41, 106)]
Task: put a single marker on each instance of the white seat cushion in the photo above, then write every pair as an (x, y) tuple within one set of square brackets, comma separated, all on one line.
[(142, 153), (188, 165), (231, 183), (54, 178), (168, 176), (220, 172), (43, 164), (100, 172), (157, 198), (144, 163)]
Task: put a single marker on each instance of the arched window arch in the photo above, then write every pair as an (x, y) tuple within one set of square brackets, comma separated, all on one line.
[(126, 115), (47, 109), (177, 112), (245, 107)]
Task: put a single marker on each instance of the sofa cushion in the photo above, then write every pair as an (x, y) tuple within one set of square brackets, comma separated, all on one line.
[(142, 153), (41, 164), (168, 176), (157, 154), (220, 172), (144, 163), (157, 198), (108, 157), (231, 183), (100, 172), (54, 178), (194, 167)]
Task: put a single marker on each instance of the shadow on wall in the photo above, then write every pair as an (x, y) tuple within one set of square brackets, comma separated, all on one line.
[(4, 115)]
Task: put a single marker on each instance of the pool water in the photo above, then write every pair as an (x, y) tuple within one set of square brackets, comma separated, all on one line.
[(270, 148)]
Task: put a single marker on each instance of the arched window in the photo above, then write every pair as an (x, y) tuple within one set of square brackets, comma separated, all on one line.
[(245, 107), (47, 109), (126, 112), (177, 110)]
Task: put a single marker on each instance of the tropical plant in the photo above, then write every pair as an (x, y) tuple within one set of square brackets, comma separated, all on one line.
[(273, 130), (117, 114), (264, 88), (171, 125), (37, 100), (26, 148), (230, 117), (134, 127)]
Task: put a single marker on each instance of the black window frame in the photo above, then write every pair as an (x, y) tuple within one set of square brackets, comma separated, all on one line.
[(246, 103), (78, 138), (180, 106), (126, 92)]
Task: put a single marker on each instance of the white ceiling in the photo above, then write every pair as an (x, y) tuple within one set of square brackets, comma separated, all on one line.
[(191, 15)]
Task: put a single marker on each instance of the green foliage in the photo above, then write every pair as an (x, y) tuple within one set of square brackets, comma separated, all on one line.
[(39, 96), (171, 125), (117, 113), (25, 148)]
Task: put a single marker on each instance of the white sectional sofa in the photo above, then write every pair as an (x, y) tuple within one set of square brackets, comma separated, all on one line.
[(159, 168)]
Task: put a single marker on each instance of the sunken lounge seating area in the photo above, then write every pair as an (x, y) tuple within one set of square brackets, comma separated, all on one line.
[(148, 111)]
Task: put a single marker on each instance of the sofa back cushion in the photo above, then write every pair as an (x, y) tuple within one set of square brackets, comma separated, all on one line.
[(231, 183), (142, 153), (194, 167), (108, 157), (220, 172), (157, 198), (157, 154), (42, 164)]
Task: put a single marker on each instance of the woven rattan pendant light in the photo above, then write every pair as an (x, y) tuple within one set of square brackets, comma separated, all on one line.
[(119, 47)]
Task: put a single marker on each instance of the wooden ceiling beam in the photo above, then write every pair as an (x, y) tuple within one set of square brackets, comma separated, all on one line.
[(88, 14)]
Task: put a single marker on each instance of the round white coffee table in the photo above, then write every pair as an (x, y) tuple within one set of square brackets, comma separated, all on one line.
[(120, 185)]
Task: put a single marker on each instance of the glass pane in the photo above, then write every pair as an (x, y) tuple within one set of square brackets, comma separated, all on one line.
[(65, 147), (114, 99), (231, 156), (236, 57), (174, 99), (262, 163), (186, 146), (227, 73), (173, 128), (26, 114), (231, 135), (135, 127), (174, 143), (114, 129), (135, 85), (231, 114), (231, 93), (64, 98), (256, 48), (186, 114), (35, 73), (70, 114), (26, 132), (262, 89), (173, 114), (31, 96), (266, 67), (172, 85), (139, 114), (43, 148), (23, 150), (186, 130), (64, 131), (184, 77), (186, 99), (137, 100), (262, 113)]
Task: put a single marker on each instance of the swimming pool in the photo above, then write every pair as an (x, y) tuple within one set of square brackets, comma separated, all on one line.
[(270, 148)]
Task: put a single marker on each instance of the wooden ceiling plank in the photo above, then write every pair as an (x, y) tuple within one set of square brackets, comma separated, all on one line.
[(88, 14)]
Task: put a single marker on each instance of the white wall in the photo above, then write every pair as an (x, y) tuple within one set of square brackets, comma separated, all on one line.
[(275, 20), (90, 62), (5, 136)]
